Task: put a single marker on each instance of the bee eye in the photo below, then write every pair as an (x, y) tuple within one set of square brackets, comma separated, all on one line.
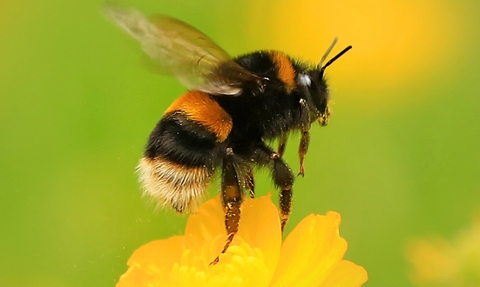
[(304, 80)]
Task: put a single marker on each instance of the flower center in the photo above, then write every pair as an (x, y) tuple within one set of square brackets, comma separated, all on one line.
[(240, 266)]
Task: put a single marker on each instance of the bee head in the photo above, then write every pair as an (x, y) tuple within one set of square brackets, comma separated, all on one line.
[(314, 80)]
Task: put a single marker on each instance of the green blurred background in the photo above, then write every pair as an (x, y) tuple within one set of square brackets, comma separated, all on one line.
[(399, 160)]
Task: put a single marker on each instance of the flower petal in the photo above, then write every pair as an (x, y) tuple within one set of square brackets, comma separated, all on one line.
[(260, 228), (346, 274), (205, 225), (311, 252), (137, 277), (151, 264)]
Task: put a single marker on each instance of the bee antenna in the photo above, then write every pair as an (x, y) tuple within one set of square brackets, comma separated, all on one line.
[(327, 52), (322, 68)]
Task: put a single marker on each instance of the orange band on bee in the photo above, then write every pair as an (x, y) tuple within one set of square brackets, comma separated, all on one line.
[(286, 72), (202, 108)]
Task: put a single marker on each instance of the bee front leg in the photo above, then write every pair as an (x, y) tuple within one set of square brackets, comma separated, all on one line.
[(232, 196), (302, 150), (305, 139)]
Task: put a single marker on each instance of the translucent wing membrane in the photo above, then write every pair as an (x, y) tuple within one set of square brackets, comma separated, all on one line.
[(181, 50)]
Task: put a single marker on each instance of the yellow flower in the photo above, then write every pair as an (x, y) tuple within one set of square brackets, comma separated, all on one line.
[(310, 256), (438, 262)]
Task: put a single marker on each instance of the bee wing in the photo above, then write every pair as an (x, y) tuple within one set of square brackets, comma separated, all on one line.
[(185, 52)]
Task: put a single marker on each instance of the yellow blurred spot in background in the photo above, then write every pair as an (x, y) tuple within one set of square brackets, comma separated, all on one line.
[(395, 43), (436, 261)]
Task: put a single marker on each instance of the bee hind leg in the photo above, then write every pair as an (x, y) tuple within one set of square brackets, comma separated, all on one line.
[(250, 182), (232, 196), (282, 144)]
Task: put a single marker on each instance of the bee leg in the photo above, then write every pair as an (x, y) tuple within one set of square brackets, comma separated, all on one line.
[(250, 182), (283, 178), (305, 139), (302, 150), (282, 144), (232, 196)]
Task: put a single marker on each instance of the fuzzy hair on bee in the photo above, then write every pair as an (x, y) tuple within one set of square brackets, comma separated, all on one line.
[(232, 108)]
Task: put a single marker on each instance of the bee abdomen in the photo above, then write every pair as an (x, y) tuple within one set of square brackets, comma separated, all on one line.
[(201, 108), (182, 141), (179, 160), (174, 185), (183, 151)]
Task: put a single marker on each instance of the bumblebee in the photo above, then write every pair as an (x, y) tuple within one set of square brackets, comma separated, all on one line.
[(233, 106)]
